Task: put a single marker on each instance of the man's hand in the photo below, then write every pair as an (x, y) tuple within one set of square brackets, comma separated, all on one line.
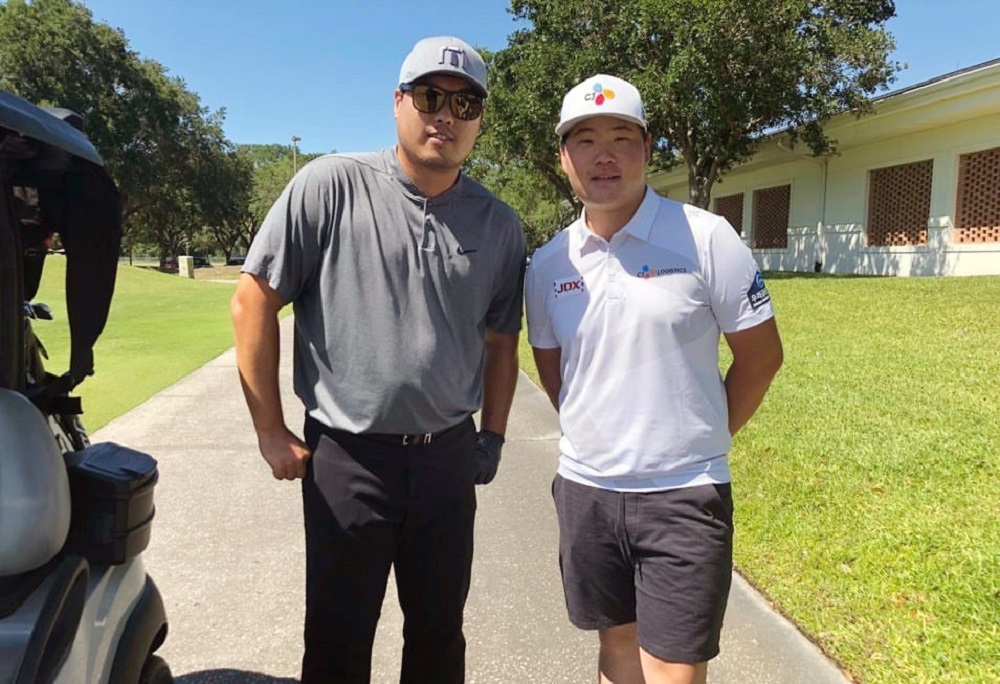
[(488, 446), (285, 453)]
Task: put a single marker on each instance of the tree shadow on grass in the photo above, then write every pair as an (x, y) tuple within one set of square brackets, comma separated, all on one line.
[(231, 677)]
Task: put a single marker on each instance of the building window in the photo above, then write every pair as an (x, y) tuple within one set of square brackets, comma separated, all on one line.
[(731, 209), (899, 204), (770, 217), (977, 215)]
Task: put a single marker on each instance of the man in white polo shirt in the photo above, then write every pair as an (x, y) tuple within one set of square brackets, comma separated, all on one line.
[(625, 309)]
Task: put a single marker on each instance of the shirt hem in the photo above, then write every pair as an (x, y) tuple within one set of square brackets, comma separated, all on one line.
[(717, 473)]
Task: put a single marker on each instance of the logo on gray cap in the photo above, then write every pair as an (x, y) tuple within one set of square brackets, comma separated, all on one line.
[(456, 55)]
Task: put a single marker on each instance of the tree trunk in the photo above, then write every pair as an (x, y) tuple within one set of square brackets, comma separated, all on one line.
[(696, 189), (701, 180)]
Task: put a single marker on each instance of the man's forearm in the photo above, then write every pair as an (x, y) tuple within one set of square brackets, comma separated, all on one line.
[(499, 381), (745, 390), (757, 356), (548, 362)]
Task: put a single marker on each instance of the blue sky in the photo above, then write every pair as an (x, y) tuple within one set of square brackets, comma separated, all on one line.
[(324, 70)]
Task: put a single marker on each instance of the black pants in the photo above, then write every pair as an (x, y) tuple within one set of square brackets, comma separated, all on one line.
[(370, 503)]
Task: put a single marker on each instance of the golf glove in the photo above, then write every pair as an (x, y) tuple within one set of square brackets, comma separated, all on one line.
[(488, 446)]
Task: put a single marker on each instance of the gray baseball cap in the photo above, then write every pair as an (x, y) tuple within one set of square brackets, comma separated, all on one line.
[(444, 55)]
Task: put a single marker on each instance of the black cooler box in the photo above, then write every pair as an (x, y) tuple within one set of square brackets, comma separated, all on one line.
[(112, 491)]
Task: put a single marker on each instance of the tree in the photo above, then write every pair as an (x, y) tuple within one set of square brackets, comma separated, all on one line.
[(51, 52), (200, 185), (165, 151), (272, 169), (542, 211), (236, 183), (717, 76)]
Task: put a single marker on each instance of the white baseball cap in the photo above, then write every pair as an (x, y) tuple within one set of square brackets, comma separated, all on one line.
[(446, 55), (601, 95)]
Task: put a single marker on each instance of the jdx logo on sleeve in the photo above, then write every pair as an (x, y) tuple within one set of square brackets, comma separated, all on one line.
[(565, 287), (757, 294)]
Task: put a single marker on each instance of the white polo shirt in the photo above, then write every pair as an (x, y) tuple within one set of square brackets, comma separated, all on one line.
[(638, 319)]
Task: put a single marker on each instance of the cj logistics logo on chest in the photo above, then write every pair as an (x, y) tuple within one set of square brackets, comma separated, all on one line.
[(569, 286)]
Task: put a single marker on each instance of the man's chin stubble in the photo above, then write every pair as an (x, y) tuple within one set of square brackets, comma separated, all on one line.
[(437, 163)]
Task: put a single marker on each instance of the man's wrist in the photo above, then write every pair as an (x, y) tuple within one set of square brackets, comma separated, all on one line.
[(271, 431), (490, 438)]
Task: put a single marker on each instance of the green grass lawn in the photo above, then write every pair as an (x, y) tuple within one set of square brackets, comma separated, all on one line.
[(161, 327), (866, 487), (867, 491)]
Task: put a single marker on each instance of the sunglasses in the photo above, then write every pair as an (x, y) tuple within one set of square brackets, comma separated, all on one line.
[(430, 99)]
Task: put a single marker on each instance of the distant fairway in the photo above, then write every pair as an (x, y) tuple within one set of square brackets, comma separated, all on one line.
[(161, 328)]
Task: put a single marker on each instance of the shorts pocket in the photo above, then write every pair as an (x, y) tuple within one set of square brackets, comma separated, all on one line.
[(719, 502)]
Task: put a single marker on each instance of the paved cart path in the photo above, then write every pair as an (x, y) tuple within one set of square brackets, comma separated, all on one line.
[(227, 554)]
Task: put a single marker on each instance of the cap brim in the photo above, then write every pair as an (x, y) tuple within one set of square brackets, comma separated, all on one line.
[(564, 127), (457, 74)]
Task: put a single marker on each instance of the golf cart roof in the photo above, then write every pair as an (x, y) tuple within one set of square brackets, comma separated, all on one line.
[(47, 126)]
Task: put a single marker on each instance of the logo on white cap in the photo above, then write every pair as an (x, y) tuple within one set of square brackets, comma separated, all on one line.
[(601, 95)]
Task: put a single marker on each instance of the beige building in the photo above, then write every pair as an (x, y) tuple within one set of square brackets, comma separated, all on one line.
[(913, 189)]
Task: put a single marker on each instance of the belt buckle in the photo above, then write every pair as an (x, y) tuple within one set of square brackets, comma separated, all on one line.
[(418, 439)]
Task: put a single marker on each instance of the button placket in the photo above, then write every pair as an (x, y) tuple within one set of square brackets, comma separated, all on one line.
[(616, 290), (428, 236)]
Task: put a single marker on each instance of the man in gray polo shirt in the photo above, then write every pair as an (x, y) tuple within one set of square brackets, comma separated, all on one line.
[(405, 278)]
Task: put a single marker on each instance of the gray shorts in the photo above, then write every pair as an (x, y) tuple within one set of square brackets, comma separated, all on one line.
[(660, 559)]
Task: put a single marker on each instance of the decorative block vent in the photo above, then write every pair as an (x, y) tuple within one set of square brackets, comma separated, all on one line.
[(977, 215), (770, 217), (731, 209), (899, 204)]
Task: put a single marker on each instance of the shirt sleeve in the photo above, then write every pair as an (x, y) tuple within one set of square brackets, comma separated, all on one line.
[(540, 332), (737, 293), (286, 251), (506, 308)]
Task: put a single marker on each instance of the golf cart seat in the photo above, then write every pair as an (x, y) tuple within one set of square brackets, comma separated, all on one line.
[(34, 491)]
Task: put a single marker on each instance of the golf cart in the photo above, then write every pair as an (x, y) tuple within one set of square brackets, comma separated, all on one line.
[(76, 604)]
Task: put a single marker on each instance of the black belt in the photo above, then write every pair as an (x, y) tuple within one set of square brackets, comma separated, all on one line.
[(410, 440)]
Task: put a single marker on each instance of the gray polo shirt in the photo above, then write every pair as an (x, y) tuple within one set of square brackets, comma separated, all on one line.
[(392, 291)]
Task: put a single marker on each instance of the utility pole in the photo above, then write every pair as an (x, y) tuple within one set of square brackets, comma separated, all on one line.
[(295, 152)]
